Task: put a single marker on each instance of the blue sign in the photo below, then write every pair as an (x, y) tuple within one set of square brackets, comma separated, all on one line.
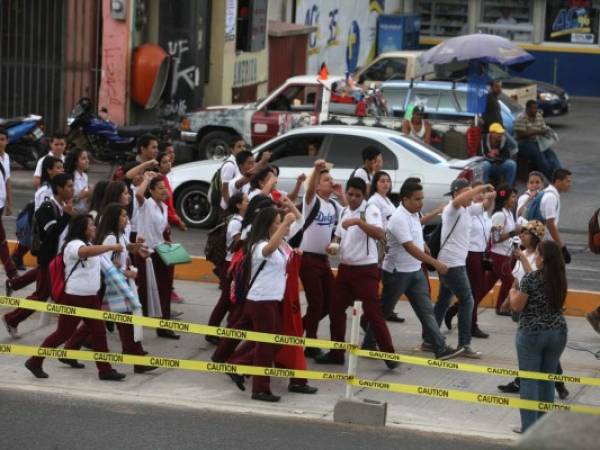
[(397, 32), (353, 47)]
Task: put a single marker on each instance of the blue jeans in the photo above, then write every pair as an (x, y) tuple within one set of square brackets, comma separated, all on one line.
[(538, 351), (546, 162), (414, 285), (456, 282), (506, 169)]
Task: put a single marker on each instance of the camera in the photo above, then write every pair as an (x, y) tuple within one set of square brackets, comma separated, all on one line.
[(515, 242)]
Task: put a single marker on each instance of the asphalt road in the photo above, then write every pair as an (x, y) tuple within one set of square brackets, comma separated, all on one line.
[(49, 421)]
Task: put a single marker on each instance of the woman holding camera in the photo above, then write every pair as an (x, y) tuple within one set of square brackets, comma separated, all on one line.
[(542, 334)]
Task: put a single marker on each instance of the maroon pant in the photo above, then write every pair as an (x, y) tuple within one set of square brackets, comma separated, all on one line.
[(42, 292), (68, 324), (128, 345), (9, 265), (20, 251), (318, 282), (502, 270), (478, 281), (264, 317), (222, 306), (164, 281), (358, 283)]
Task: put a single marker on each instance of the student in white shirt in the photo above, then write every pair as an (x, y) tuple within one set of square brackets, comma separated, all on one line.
[(262, 182), (248, 167), (315, 270), (5, 204), (550, 208), (504, 229), (50, 168), (152, 226), (77, 164), (356, 236), (481, 231), (536, 181), (454, 247), (372, 163), (379, 197), (58, 145), (230, 169), (82, 272)]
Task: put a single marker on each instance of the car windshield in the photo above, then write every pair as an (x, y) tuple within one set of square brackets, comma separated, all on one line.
[(426, 152)]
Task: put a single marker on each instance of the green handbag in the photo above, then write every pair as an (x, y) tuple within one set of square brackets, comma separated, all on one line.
[(173, 253)]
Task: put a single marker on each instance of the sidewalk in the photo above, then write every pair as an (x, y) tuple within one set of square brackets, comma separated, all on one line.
[(215, 391)]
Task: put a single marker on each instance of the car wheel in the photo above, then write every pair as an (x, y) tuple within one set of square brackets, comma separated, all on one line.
[(214, 145), (193, 206)]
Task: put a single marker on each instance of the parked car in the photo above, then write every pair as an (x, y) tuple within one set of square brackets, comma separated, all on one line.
[(341, 146)]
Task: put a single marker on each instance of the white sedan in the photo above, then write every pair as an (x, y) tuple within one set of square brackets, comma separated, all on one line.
[(340, 145)]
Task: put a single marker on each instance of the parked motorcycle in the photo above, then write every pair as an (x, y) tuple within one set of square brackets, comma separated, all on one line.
[(25, 136), (103, 139)]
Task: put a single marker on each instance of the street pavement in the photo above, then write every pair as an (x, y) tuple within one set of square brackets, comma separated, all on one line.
[(127, 425), (577, 149), (201, 391)]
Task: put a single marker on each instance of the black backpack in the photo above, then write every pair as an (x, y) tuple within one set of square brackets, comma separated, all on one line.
[(36, 232), (296, 239), (215, 249), (216, 186)]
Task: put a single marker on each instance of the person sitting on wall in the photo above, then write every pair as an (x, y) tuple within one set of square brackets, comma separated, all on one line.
[(498, 152)]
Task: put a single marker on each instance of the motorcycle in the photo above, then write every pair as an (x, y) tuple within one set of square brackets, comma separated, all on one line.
[(25, 136), (103, 139)]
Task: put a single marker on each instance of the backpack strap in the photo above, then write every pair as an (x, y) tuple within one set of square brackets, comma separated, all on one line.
[(312, 215), (449, 234), (80, 261), (3, 171), (260, 267)]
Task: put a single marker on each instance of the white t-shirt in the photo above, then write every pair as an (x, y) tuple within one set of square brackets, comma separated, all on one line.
[(234, 227), (135, 210), (523, 198), (506, 223), (403, 227), (121, 257), (385, 205), (152, 222), (481, 228), (362, 173), (233, 190), (85, 279), (550, 207), (270, 282), (229, 171), (38, 167), (454, 252), (518, 271), (356, 247), (5, 161), (43, 192), (318, 234), (80, 182)]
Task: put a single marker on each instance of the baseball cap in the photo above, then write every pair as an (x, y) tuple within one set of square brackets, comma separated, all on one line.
[(496, 128), (419, 109), (457, 185)]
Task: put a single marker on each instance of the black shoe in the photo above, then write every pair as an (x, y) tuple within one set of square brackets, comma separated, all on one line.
[(111, 375), (329, 358), (503, 313), (510, 388), (477, 333), (87, 344), (143, 369), (238, 380), (393, 317), (72, 362), (266, 397), (37, 372), (167, 334), (212, 340), (302, 388), (8, 288), (312, 352), (391, 364), (110, 326), (452, 311), (372, 348), (18, 263), (449, 352), (562, 390)]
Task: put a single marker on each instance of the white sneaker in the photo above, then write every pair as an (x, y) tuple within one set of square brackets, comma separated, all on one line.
[(12, 331), (468, 352)]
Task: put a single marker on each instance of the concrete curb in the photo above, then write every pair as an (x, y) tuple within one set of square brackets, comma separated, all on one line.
[(578, 302)]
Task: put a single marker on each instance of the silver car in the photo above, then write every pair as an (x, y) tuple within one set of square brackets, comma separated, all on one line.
[(339, 145)]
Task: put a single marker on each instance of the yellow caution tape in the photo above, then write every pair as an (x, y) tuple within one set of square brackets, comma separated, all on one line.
[(207, 366), (474, 368), (474, 397), (175, 325)]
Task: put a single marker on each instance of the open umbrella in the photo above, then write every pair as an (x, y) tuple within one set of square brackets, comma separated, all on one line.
[(485, 48)]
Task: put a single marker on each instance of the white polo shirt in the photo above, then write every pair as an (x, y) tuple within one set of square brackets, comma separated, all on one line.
[(233, 190), (481, 229), (234, 227), (85, 279), (550, 207), (80, 182), (43, 192), (121, 256), (152, 222), (270, 282), (403, 227), (229, 171), (38, 167), (505, 222), (356, 247), (454, 251), (362, 173), (317, 236), (385, 205), (5, 161)]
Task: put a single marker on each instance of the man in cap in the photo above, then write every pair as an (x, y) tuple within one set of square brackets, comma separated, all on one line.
[(498, 152)]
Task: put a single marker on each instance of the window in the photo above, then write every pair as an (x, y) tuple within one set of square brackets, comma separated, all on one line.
[(395, 98), (385, 69), (446, 103), (577, 24), (511, 19), (429, 99), (251, 24), (297, 98), (420, 150), (443, 17), (346, 152), (296, 151)]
